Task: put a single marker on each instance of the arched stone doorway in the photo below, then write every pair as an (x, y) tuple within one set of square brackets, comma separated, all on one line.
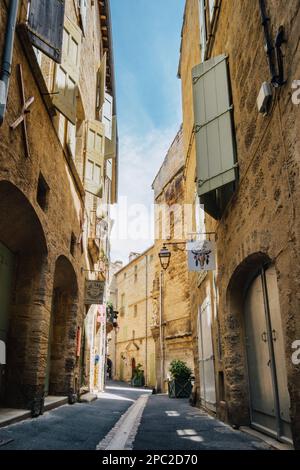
[(23, 283), (62, 332), (253, 297)]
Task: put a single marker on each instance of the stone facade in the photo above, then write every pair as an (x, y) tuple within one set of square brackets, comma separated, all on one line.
[(171, 292), (260, 226), (45, 223), (134, 343)]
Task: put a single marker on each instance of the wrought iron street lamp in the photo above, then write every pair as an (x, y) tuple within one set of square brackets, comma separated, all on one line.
[(164, 257)]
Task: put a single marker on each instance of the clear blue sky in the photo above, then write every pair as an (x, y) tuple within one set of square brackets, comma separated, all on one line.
[(146, 35)]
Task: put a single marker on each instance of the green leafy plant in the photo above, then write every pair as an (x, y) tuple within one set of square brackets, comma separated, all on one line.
[(180, 371), (138, 372)]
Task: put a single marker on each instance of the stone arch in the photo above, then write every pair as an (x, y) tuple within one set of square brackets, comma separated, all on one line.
[(24, 277), (235, 360), (63, 329)]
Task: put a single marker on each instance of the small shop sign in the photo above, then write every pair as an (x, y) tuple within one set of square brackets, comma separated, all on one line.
[(101, 314), (201, 255), (94, 291)]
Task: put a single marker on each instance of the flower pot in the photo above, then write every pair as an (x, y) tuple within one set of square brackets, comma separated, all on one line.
[(179, 388)]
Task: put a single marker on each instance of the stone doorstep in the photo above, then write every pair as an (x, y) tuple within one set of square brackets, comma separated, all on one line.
[(11, 415), (87, 397), (267, 439)]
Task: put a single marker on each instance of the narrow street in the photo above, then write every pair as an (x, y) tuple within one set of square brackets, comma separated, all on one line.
[(164, 424)]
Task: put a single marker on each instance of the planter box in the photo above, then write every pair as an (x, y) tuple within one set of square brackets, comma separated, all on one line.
[(179, 389), (138, 381)]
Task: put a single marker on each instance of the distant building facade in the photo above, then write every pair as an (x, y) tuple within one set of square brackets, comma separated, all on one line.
[(134, 343), (171, 295)]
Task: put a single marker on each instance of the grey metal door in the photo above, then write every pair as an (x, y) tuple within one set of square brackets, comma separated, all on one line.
[(266, 359), (206, 356)]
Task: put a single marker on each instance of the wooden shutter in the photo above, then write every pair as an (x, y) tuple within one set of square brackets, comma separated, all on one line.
[(83, 14), (216, 159), (101, 83), (95, 137), (45, 26), (111, 144), (108, 115), (67, 74)]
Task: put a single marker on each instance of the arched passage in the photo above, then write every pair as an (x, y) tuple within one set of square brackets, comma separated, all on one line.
[(63, 328), (253, 298), (23, 272)]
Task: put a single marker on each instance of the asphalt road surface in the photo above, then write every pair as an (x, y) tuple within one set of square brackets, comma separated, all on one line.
[(126, 418)]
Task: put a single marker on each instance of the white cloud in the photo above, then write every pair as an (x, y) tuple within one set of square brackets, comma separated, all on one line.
[(140, 158)]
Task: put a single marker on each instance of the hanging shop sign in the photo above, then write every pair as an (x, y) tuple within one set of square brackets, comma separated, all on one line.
[(94, 291), (201, 255), (101, 314)]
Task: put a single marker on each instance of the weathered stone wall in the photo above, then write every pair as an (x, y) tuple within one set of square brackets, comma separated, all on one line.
[(133, 338), (168, 188), (39, 237), (263, 215)]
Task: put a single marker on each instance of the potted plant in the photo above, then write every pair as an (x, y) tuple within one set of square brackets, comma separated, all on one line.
[(180, 384), (138, 379)]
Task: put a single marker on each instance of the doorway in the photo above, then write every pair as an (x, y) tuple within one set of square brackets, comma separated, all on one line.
[(6, 277), (133, 367), (59, 378), (206, 357), (269, 397)]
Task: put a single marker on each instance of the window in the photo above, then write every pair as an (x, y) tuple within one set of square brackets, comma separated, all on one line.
[(107, 115), (101, 80), (97, 174), (89, 170), (83, 13), (212, 8), (215, 142), (203, 27), (95, 157), (42, 193), (71, 139)]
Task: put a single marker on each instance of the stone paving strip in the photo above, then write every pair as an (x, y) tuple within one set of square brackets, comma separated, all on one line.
[(122, 435)]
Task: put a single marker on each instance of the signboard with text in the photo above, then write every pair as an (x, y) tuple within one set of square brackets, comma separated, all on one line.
[(94, 291)]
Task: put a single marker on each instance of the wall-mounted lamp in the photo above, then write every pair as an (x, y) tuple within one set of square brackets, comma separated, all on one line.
[(164, 257)]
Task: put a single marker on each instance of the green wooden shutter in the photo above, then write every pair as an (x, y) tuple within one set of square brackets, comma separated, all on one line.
[(215, 149), (45, 26)]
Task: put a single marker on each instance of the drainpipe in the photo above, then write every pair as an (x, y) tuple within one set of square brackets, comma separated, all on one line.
[(7, 55), (265, 20)]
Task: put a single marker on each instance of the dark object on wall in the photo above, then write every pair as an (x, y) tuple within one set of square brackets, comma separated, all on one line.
[(7, 55), (275, 56)]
